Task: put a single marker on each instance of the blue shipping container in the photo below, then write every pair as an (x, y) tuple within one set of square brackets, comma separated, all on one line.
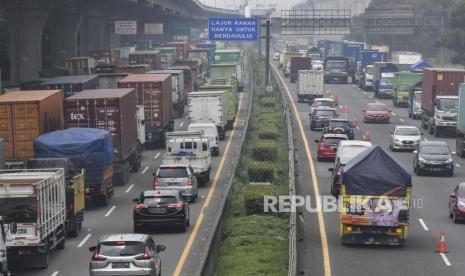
[(211, 53), (369, 57), (352, 50)]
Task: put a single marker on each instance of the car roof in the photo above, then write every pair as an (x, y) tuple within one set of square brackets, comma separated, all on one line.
[(372, 104), (173, 166), (202, 125), (324, 109), (433, 143), (161, 193), (334, 135), (356, 143), (124, 237), (411, 127), (340, 119), (323, 99)]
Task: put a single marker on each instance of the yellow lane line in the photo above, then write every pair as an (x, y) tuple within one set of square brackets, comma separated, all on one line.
[(321, 221), (198, 223)]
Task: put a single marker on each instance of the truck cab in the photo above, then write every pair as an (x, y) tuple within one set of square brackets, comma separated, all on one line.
[(367, 82), (385, 86), (445, 114), (336, 69), (414, 103)]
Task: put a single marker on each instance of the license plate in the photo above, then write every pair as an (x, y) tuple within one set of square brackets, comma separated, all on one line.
[(120, 265), (155, 210), (172, 184)]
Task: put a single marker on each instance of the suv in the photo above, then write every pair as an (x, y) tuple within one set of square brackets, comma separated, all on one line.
[(210, 131), (434, 157), (125, 254), (176, 177), (340, 126), (320, 117)]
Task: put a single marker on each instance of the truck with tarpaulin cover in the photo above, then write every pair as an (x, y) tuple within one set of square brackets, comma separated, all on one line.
[(90, 149), (375, 194), (232, 100), (383, 75), (403, 82)]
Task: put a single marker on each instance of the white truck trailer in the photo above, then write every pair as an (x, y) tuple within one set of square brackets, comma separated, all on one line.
[(209, 107), (310, 85)]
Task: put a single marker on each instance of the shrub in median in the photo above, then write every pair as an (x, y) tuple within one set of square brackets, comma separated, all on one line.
[(268, 101), (254, 195), (261, 171), (268, 132), (265, 150)]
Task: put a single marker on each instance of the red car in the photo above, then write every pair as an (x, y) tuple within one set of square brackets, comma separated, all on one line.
[(327, 145), (457, 203), (376, 112)]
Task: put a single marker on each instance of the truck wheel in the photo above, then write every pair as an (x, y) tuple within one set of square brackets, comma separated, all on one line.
[(431, 129), (436, 132), (73, 229), (62, 243), (43, 259), (102, 200)]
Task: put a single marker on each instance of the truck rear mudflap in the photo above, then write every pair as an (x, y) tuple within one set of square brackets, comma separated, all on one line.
[(373, 235), (308, 97)]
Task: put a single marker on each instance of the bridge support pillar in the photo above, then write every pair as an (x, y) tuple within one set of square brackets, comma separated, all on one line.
[(65, 37), (94, 34)]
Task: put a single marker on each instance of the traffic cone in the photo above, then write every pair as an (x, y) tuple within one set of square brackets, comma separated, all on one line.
[(345, 109), (336, 100), (355, 122), (367, 135), (328, 92), (442, 243)]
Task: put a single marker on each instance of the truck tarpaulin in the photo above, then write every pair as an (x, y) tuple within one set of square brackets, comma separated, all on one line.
[(375, 172)]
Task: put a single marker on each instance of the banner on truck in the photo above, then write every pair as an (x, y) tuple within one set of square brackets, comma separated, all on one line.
[(125, 27), (153, 28), (233, 29)]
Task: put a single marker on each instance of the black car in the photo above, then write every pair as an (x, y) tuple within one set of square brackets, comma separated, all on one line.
[(434, 157), (158, 208), (320, 117), (340, 126)]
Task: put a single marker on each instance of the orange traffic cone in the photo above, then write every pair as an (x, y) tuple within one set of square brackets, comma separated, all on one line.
[(355, 122), (345, 109), (442, 243), (336, 100), (367, 135)]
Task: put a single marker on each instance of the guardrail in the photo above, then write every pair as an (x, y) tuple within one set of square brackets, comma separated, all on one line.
[(287, 112)]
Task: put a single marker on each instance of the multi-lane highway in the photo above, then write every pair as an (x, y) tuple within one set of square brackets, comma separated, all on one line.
[(320, 250)]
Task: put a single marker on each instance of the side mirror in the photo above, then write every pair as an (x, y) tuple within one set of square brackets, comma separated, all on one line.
[(160, 248), (317, 141), (391, 132), (92, 248), (331, 170), (421, 133), (154, 174), (135, 200), (415, 151), (364, 110), (452, 195)]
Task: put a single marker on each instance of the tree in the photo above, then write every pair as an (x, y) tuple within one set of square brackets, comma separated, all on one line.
[(454, 39)]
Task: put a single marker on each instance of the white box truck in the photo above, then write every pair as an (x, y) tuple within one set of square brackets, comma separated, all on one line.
[(209, 107), (310, 85), (33, 208)]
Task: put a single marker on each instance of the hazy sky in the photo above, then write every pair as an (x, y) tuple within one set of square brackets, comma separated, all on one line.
[(282, 4)]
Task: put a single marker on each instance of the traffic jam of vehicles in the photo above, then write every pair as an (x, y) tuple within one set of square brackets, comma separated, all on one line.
[(419, 106), (70, 141)]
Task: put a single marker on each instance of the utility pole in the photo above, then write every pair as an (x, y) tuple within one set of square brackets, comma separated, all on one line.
[(267, 55), (259, 40)]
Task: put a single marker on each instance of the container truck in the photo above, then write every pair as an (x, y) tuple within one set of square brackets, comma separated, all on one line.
[(209, 107), (109, 80), (402, 84), (154, 93), (231, 98), (150, 57), (314, 53), (201, 56), (375, 194), (33, 208), (414, 101), (179, 96), (364, 72), (223, 74), (114, 110), (405, 57), (4, 271), (104, 56), (211, 47), (286, 63), (80, 65), (71, 85), (439, 99), (133, 69), (181, 49), (336, 69), (383, 74), (460, 133), (24, 116), (194, 67), (310, 85), (188, 84), (87, 148), (297, 64), (167, 56), (228, 56)]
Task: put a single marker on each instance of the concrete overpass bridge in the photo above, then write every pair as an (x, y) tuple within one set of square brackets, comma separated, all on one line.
[(43, 33)]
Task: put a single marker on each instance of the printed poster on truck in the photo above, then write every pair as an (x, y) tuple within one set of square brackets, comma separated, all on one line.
[(125, 27)]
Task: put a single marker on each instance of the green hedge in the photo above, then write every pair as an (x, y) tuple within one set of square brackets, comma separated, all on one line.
[(261, 171), (265, 150), (268, 101), (268, 132), (254, 197)]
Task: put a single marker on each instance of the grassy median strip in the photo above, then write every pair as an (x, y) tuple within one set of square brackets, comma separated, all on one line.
[(254, 242)]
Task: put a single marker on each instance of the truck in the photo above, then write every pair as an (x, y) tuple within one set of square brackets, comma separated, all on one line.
[(402, 84), (24, 116), (177, 86), (74, 190), (297, 64), (286, 62), (375, 193), (202, 57), (3, 257), (80, 65), (364, 72), (383, 74), (114, 110), (439, 99), (108, 80), (33, 208), (314, 53), (228, 56), (181, 49), (405, 57), (154, 93), (232, 100), (150, 57), (336, 69), (310, 85), (167, 56), (460, 133), (414, 101), (90, 149), (209, 107), (189, 148), (211, 47), (194, 66), (71, 85)]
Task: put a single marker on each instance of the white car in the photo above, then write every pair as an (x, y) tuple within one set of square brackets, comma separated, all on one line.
[(210, 131), (317, 64), (320, 102), (404, 137)]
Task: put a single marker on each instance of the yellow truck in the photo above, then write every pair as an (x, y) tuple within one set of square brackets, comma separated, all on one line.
[(375, 194)]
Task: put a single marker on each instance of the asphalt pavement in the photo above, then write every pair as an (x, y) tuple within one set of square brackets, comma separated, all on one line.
[(323, 254)]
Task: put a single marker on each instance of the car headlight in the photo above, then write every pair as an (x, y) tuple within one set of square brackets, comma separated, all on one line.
[(421, 159), (461, 204), (439, 116), (450, 160), (396, 140)]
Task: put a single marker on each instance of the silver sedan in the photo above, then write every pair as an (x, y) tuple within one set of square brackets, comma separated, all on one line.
[(404, 138)]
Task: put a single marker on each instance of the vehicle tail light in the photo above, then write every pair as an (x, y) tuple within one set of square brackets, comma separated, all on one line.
[(325, 146), (189, 181), (146, 256), (338, 173), (141, 206), (155, 183), (175, 206), (97, 257)]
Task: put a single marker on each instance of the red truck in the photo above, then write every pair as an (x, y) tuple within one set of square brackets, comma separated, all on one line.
[(299, 63), (181, 49), (113, 110)]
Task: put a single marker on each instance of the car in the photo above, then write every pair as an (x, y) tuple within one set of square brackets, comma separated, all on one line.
[(125, 254), (211, 132), (162, 208), (177, 177), (434, 157), (321, 103), (376, 112), (457, 203), (404, 138), (327, 145), (320, 117), (276, 56), (345, 152), (340, 126)]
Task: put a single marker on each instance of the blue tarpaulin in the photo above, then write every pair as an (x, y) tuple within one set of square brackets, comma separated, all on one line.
[(375, 172), (420, 65)]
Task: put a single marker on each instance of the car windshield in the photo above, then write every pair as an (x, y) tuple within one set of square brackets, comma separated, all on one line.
[(417, 97), (377, 107), (404, 87), (369, 70), (385, 81), (159, 200), (19, 210), (323, 113), (339, 124), (323, 103), (434, 150), (333, 140), (121, 248), (335, 64), (461, 192), (447, 104), (172, 172), (404, 131)]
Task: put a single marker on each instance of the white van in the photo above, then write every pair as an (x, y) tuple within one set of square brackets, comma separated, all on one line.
[(210, 131)]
